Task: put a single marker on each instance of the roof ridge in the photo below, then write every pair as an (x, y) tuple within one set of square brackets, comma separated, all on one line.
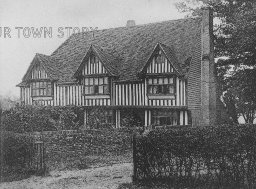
[(139, 25)]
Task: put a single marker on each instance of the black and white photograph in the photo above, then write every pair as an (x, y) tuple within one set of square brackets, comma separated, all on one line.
[(127, 94)]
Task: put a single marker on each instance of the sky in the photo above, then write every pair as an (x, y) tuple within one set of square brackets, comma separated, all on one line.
[(19, 18)]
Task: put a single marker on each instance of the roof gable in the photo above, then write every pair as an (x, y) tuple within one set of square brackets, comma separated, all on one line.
[(47, 63), (168, 53), (124, 51), (108, 61), (131, 47)]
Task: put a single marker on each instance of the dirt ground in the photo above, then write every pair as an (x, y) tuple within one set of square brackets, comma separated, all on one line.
[(109, 177)]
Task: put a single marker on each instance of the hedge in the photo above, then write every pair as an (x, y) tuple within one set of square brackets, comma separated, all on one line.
[(221, 156)]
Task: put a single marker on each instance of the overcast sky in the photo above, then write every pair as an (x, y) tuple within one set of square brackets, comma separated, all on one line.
[(17, 52)]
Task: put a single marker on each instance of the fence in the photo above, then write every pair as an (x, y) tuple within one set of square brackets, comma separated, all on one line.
[(220, 157)]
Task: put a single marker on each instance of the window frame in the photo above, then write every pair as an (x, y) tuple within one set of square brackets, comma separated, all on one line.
[(161, 85), (160, 114), (43, 85), (95, 86)]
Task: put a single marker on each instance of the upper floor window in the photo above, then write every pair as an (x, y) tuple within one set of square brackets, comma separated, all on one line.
[(96, 86), (93, 59), (159, 58), (41, 88), (160, 86)]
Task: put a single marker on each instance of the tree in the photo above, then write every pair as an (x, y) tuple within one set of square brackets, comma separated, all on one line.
[(234, 39)]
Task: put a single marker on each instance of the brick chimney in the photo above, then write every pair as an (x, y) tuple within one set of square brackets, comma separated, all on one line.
[(130, 23), (208, 85)]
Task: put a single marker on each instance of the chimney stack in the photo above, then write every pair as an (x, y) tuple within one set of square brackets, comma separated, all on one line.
[(208, 88), (130, 23)]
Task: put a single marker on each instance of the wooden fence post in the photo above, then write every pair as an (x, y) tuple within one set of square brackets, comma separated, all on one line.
[(134, 153)]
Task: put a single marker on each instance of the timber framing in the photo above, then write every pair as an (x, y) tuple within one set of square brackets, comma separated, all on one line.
[(153, 69)]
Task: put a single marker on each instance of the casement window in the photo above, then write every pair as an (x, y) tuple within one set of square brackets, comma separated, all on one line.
[(41, 88), (164, 117), (96, 86), (161, 86)]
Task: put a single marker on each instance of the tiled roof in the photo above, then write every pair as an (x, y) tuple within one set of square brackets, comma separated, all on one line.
[(125, 50)]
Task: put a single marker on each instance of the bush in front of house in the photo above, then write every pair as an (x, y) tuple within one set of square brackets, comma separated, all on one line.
[(22, 118), (17, 156), (221, 156)]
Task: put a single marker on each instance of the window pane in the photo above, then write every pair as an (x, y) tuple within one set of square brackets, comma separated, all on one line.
[(170, 80), (155, 89), (96, 89), (41, 92), (150, 81), (37, 84), (100, 81), (101, 90), (160, 80), (42, 84), (96, 81), (105, 80), (106, 89), (91, 90), (91, 81), (171, 89), (86, 90), (86, 81), (155, 81), (165, 80), (49, 91), (150, 89)]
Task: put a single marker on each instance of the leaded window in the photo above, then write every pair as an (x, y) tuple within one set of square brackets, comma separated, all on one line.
[(164, 117), (161, 86), (98, 85), (41, 88)]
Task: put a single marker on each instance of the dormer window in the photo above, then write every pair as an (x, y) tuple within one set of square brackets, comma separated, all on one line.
[(41, 88)]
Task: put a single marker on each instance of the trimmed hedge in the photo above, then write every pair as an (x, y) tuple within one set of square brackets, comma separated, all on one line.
[(21, 118), (221, 156), (17, 154)]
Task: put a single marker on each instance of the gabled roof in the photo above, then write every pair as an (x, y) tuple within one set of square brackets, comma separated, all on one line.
[(47, 63), (125, 50), (169, 54), (109, 62)]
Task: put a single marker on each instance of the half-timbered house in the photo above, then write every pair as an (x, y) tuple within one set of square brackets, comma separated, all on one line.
[(163, 71)]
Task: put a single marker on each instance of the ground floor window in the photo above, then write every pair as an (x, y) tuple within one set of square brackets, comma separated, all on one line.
[(108, 117), (164, 117), (100, 117)]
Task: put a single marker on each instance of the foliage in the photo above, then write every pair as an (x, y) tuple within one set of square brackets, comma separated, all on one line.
[(41, 118), (222, 156), (243, 90), (131, 118), (235, 39), (16, 149), (97, 118), (7, 102)]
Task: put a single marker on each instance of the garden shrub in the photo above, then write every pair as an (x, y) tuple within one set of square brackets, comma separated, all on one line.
[(221, 156), (22, 118)]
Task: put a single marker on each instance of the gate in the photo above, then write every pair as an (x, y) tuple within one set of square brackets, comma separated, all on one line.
[(38, 160)]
